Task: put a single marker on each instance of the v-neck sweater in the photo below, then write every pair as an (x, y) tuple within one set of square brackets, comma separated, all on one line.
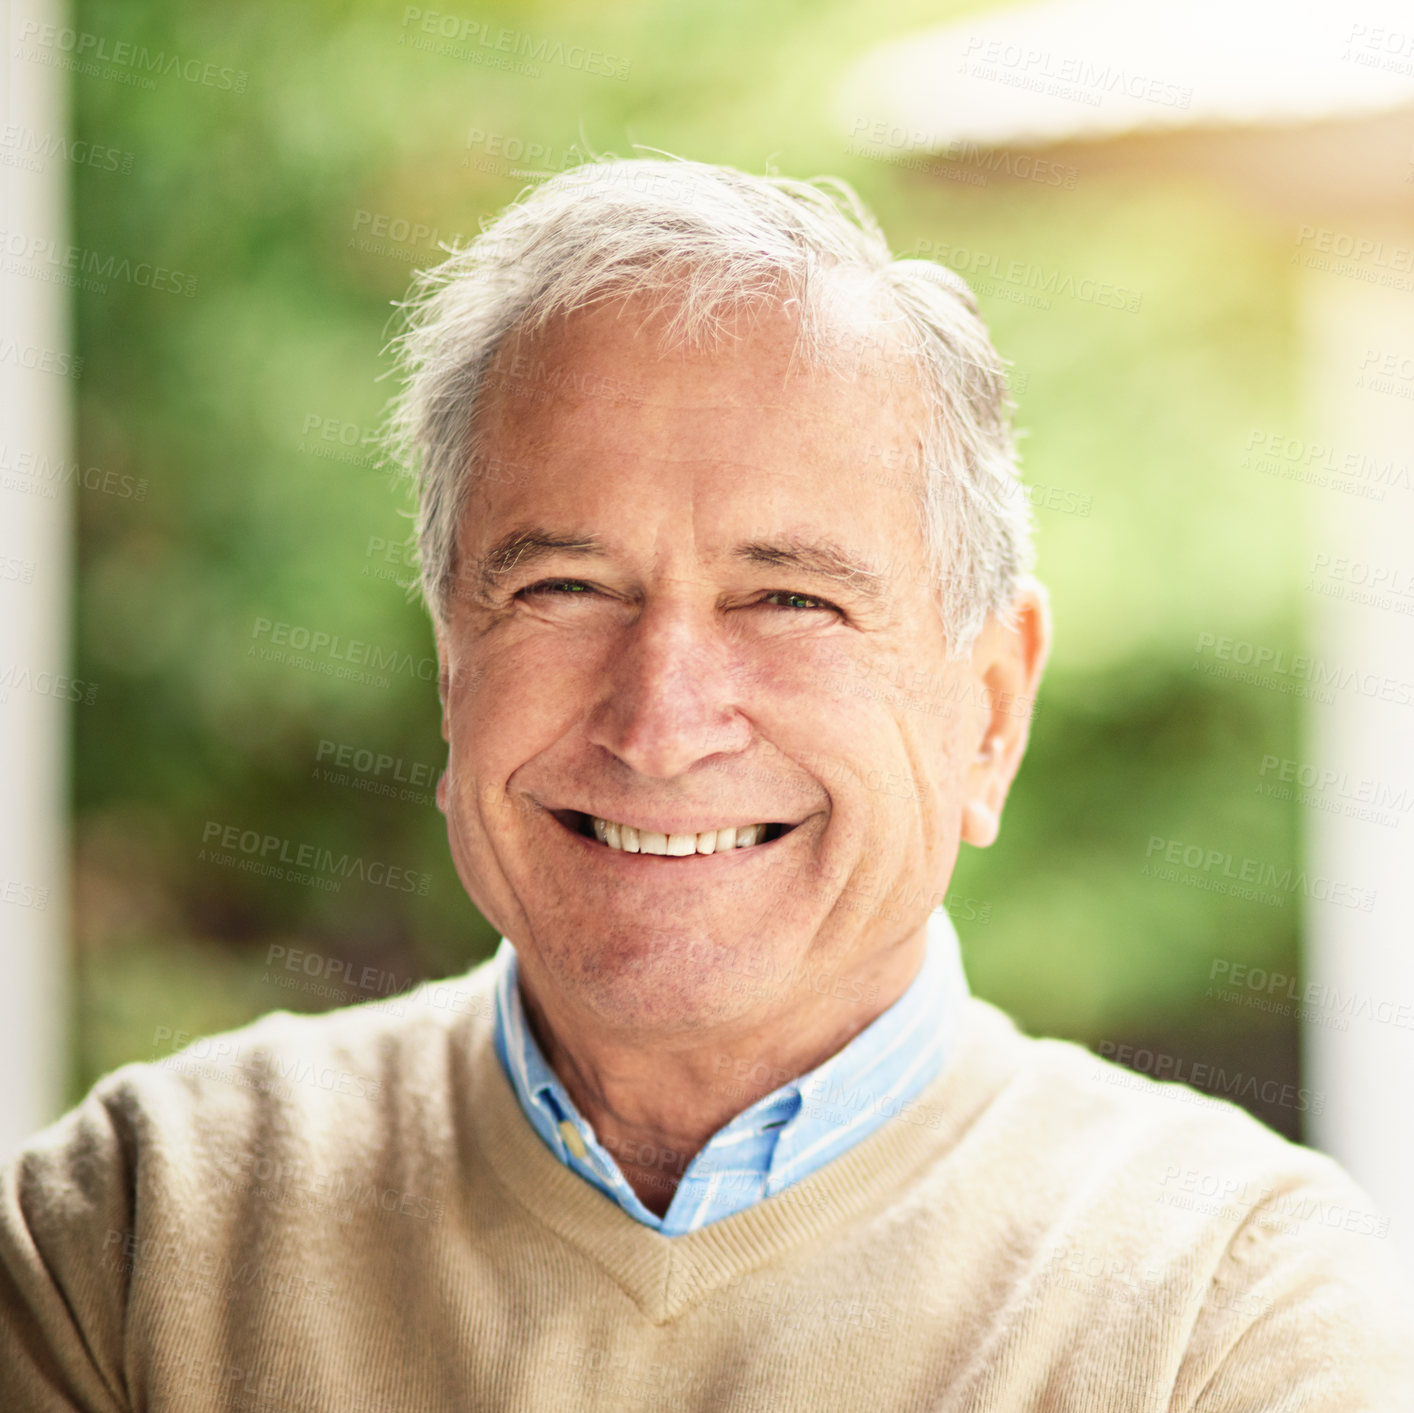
[(350, 1212)]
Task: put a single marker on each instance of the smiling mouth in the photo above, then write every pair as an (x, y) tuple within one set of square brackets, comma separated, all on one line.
[(624, 838)]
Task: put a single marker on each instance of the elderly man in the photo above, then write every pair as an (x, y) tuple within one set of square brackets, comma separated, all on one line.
[(721, 537)]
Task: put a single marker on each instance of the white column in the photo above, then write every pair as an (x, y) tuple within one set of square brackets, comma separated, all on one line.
[(1359, 396), (35, 528)]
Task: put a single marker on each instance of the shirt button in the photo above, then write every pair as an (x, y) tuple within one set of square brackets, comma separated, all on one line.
[(573, 1141)]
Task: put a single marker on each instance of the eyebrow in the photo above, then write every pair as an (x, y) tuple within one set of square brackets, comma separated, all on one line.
[(522, 548), (823, 559)]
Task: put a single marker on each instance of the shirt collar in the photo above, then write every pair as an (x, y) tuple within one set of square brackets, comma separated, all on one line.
[(811, 1118)]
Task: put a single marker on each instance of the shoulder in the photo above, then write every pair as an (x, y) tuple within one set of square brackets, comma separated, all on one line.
[(1150, 1176), (163, 1181), (1083, 1111), (297, 1089), (1142, 1194)]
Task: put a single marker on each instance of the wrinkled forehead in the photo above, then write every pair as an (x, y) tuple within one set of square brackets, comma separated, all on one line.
[(593, 434), (644, 361)]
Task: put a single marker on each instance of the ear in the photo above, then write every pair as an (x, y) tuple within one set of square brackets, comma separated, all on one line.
[(444, 678), (1007, 662), (444, 674)]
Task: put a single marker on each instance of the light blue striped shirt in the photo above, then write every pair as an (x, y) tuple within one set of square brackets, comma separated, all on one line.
[(784, 1136)]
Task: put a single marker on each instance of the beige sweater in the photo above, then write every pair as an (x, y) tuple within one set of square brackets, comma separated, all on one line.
[(350, 1213)]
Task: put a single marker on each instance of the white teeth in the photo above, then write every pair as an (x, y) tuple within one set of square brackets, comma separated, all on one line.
[(648, 841)]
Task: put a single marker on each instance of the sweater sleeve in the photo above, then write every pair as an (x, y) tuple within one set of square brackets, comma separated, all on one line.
[(65, 1211), (1309, 1312)]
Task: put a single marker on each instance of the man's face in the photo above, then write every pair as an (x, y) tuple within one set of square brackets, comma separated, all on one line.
[(683, 663)]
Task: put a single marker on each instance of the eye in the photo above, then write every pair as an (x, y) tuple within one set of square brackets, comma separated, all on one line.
[(554, 588), (800, 603)]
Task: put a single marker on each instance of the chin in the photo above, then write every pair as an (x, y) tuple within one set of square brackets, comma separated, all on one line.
[(646, 975)]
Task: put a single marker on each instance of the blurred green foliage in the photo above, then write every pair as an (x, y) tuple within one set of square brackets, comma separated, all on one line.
[(224, 403)]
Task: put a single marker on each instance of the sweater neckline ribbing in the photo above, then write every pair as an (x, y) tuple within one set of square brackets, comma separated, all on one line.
[(666, 1276)]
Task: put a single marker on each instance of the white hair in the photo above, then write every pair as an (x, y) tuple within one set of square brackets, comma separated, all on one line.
[(704, 242)]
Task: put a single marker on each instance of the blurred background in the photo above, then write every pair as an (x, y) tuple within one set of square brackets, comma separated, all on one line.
[(195, 525)]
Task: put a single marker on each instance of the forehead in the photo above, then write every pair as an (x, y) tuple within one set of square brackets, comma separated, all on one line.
[(595, 416)]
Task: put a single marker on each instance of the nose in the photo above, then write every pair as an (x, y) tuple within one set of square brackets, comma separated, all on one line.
[(672, 694)]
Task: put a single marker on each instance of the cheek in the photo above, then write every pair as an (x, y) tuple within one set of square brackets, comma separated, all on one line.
[(523, 697), (831, 714), (931, 775), (814, 690)]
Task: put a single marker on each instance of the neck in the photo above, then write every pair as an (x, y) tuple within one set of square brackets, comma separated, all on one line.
[(655, 1104)]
